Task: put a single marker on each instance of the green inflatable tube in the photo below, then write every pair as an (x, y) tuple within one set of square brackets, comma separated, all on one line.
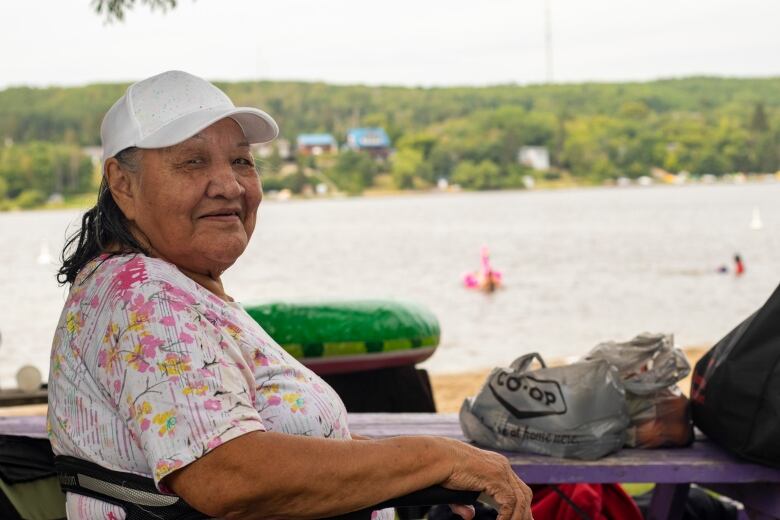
[(338, 337)]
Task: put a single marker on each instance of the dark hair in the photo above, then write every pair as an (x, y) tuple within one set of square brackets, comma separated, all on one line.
[(102, 226)]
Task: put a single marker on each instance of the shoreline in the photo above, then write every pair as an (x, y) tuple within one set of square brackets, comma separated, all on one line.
[(84, 201)]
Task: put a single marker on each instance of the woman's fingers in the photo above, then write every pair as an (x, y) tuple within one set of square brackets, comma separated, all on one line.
[(466, 512), (490, 472), (524, 498)]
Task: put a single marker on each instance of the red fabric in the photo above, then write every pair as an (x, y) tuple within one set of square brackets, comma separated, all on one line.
[(598, 501)]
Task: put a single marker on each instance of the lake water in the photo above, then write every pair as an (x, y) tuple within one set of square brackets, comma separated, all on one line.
[(580, 266)]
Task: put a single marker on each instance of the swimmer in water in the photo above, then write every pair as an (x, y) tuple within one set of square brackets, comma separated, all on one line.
[(739, 267)]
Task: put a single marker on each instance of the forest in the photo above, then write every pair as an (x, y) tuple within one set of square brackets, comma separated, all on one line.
[(470, 136)]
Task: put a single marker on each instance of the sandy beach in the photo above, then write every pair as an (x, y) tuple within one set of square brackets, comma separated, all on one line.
[(449, 390)]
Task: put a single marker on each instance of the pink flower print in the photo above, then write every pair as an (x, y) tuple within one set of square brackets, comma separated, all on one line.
[(177, 298), (107, 357), (294, 401), (214, 318), (168, 321), (186, 338), (117, 386), (191, 326), (213, 443), (130, 274), (274, 400), (136, 359), (150, 344), (176, 305), (145, 423), (142, 307), (137, 302), (140, 313), (94, 302), (205, 372), (179, 294), (212, 404), (260, 359), (166, 421)]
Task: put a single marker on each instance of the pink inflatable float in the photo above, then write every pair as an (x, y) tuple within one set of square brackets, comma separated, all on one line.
[(486, 279)]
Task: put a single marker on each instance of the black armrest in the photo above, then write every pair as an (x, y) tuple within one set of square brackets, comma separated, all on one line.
[(431, 496)]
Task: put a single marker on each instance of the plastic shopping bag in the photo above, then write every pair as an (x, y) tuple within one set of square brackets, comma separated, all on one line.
[(650, 367), (647, 363), (577, 411)]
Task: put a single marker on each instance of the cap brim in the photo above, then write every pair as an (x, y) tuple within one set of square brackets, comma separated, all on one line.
[(258, 127)]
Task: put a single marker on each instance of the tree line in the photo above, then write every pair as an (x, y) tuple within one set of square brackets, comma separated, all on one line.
[(469, 136)]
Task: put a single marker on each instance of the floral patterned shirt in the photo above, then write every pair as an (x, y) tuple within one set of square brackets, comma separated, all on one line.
[(150, 371)]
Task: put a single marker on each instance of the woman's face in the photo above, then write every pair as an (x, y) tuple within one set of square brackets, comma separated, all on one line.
[(196, 202)]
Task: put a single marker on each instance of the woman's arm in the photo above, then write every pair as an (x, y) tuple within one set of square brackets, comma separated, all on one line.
[(275, 475)]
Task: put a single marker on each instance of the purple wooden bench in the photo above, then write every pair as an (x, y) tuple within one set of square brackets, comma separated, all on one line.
[(672, 470)]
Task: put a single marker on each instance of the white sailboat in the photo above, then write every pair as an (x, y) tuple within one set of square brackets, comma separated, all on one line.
[(755, 222), (44, 257)]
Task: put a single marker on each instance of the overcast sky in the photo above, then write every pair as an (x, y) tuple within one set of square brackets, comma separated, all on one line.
[(398, 42)]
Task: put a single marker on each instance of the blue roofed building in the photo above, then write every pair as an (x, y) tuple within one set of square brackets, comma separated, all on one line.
[(372, 140), (316, 144)]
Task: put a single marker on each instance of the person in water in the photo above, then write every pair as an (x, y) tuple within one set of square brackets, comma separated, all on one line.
[(491, 282), (739, 266), (156, 370)]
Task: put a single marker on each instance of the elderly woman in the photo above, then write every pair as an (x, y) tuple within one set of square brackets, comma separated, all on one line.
[(157, 371)]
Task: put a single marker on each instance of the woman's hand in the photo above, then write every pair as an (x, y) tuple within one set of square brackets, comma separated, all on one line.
[(489, 472)]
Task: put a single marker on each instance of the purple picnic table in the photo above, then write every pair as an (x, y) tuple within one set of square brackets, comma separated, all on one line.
[(672, 470)]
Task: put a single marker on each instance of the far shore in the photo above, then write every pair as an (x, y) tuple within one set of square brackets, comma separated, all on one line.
[(85, 201)]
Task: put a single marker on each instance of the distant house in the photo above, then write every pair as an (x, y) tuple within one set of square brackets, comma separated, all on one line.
[(266, 150), (95, 154), (536, 157), (372, 140), (315, 144)]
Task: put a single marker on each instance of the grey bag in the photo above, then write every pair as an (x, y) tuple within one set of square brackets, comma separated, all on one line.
[(648, 363), (577, 411)]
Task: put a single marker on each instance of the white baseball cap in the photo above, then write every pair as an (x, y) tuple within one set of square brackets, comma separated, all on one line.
[(171, 107)]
